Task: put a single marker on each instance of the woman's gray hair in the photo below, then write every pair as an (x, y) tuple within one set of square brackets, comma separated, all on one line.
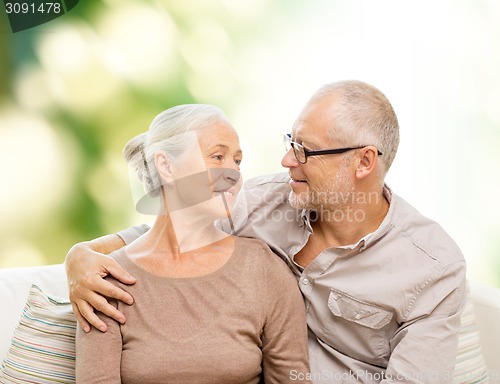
[(167, 133), (363, 116)]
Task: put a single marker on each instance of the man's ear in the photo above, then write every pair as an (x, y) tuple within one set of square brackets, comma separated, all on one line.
[(164, 166), (367, 162)]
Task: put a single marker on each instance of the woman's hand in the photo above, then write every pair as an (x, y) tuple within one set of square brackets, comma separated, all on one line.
[(86, 267)]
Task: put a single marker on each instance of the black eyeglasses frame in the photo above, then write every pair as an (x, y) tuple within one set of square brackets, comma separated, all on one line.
[(298, 149)]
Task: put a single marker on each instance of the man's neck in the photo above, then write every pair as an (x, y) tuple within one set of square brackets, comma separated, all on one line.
[(328, 232), (347, 225)]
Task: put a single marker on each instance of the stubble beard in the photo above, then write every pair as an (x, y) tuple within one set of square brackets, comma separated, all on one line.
[(332, 195)]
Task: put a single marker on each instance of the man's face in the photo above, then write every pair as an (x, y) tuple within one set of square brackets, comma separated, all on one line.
[(326, 181)]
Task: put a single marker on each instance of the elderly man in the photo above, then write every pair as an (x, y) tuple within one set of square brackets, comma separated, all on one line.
[(383, 285)]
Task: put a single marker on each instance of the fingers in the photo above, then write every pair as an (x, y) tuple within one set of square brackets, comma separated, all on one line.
[(101, 304), (89, 317), (109, 290), (87, 295), (115, 270), (83, 312), (80, 319), (93, 292)]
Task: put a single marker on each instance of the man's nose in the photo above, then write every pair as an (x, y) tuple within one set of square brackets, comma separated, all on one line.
[(289, 160)]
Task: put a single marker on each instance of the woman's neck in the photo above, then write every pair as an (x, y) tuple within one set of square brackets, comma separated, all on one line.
[(166, 252), (176, 234)]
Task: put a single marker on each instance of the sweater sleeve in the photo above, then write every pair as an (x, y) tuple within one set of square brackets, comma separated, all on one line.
[(98, 355), (284, 339)]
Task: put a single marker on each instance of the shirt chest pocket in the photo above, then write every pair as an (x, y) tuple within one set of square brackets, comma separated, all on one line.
[(360, 329), (360, 312)]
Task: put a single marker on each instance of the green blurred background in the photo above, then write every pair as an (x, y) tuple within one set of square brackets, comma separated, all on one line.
[(74, 90)]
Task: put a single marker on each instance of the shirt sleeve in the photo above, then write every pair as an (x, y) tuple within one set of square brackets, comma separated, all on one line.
[(284, 340), (130, 234), (424, 348), (98, 355)]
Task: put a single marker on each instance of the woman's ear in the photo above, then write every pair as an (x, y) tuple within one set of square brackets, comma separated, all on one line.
[(163, 166)]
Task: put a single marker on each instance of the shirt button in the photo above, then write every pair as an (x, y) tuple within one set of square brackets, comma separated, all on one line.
[(357, 316), (305, 281)]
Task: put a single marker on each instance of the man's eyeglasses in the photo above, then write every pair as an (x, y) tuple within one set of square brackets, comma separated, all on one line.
[(301, 153)]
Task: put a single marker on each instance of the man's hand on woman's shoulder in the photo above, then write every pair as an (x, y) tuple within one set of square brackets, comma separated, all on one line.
[(86, 267)]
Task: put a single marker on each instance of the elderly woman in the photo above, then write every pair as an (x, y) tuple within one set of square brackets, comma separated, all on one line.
[(209, 307)]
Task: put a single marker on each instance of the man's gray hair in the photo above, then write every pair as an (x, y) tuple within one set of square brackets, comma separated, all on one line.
[(363, 116)]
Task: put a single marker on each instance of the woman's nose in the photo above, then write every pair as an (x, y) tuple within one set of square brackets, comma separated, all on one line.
[(224, 178), (231, 175)]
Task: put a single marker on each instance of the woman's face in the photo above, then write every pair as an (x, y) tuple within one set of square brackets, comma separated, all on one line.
[(207, 175)]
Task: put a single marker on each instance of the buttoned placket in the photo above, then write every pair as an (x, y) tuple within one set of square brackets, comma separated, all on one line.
[(323, 262)]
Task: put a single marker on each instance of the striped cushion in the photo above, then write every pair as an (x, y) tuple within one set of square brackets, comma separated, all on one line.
[(470, 367), (43, 345)]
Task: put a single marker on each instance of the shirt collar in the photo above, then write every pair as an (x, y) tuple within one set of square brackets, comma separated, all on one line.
[(384, 227)]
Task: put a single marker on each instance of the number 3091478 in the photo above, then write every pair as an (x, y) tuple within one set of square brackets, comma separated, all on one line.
[(33, 8)]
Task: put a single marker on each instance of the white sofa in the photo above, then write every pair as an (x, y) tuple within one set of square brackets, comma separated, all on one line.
[(15, 284)]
